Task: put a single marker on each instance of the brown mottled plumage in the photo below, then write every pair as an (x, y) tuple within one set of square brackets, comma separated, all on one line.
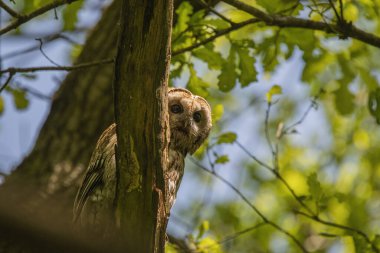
[(190, 124)]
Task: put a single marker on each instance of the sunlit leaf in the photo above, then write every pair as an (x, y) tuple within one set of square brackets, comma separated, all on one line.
[(222, 159), (184, 10), (70, 15), (196, 85), (228, 75), (219, 24), (228, 137), (213, 59), (208, 245), (204, 227), (274, 90), (278, 5), (247, 66), (217, 113), (315, 188)]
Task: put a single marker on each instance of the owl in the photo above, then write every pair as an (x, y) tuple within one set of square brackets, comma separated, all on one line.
[(190, 124)]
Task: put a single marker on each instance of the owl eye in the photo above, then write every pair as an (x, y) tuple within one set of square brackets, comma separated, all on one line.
[(197, 117), (176, 108)]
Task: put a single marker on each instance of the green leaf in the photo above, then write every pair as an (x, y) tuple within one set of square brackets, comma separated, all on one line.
[(70, 15), (222, 159), (247, 66), (374, 104), (228, 137), (315, 188), (228, 75), (170, 248), (208, 245), (213, 59), (361, 245), (274, 90), (1, 105), (204, 227), (217, 113), (344, 100), (219, 24), (19, 99), (274, 6), (183, 12), (196, 85)]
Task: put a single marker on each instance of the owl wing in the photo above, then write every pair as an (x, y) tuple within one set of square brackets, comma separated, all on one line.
[(92, 179)]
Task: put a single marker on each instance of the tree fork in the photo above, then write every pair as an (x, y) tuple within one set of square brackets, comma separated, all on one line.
[(140, 95)]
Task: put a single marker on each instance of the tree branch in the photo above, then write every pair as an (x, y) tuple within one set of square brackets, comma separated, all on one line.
[(55, 68), (343, 227), (216, 35), (8, 9), (11, 74), (253, 207), (343, 30), (21, 19)]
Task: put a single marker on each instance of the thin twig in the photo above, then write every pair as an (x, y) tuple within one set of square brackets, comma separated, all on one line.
[(336, 12), (255, 158), (21, 19), (206, 5), (232, 236), (266, 123), (47, 39), (341, 10), (313, 104), (8, 9), (217, 35), (277, 174), (34, 92), (343, 227), (253, 207), (11, 74), (295, 22), (45, 55), (53, 68)]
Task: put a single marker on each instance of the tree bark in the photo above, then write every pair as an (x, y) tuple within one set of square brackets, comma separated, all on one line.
[(141, 78), (42, 188)]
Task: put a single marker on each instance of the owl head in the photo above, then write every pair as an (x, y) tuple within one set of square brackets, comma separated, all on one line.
[(190, 120)]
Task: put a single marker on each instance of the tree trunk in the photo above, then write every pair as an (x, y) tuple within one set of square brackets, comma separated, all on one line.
[(141, 77), (40, 191)]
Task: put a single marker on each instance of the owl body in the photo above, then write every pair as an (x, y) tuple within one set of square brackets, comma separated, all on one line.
[(190, 124)]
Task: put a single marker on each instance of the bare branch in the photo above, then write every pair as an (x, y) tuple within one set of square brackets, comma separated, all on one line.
[(11, 74), (343, 227), (234, 235), (21, 19), (313, 104), (255, 158), (335, 11), (347, 30), (46, 39), (8, 9), (253, 207), (216, 35), (208, 7), (54, 68), (45, 55)]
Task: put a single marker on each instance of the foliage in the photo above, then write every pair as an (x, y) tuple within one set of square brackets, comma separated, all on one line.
[(311, 173)]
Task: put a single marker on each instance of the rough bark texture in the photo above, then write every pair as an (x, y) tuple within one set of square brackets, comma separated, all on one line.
[(81, 109), (42, 188), (141, 76)]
